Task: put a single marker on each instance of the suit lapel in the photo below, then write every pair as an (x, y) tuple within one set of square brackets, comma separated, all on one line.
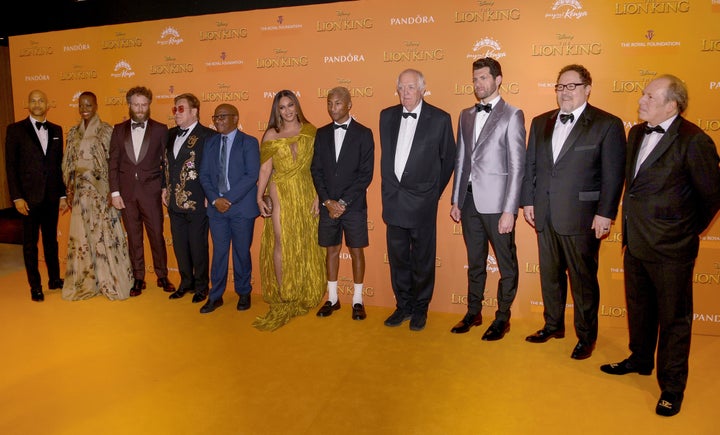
[(663, 144), (495, 114)]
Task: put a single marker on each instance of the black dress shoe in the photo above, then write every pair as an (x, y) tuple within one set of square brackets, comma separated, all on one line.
[(669, 404), (544, 335), (467, 322), (244, 302), (418, 321), (397, 318), (211, 306), (582, 350), (137, 287), (358, 312), (496, 331), (328, 308), (166, 285), (36, 294), (200, 296), (55, 284), (624, 367), (178, 293)]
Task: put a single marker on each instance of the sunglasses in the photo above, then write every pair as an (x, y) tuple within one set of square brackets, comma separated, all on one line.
[(178, 109)]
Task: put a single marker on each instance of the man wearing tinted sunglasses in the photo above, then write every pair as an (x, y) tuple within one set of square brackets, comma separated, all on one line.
[(184, 197)]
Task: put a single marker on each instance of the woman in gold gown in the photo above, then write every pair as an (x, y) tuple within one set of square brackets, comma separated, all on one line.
[(292, 263)]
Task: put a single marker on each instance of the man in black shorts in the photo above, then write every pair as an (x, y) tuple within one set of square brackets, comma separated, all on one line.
[(342, 169)]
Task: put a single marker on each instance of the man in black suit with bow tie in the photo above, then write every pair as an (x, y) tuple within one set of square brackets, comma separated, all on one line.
[(34, 151), (571, 191), (184, 197), (672, 193), (342, 169), (416, 163)]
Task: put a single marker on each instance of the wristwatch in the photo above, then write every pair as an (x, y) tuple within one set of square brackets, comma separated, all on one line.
[(342, 202)]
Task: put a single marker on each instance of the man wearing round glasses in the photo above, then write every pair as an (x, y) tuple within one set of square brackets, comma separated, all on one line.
[(184, 197), (574, 176)]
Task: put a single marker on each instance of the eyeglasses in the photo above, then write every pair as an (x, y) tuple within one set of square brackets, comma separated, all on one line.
[(222, 116), (178, 109), (569, 86)]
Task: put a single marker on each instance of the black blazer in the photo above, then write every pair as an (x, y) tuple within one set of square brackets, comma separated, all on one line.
[(410, 203), (586, 180), (33, 175), (182, 173), (349, 177), (674, 196)]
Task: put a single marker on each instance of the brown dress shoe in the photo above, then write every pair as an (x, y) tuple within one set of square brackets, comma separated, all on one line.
[(166, 285), (467, 322), (137, 287)]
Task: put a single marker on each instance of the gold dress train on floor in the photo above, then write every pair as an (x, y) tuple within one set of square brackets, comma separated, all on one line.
[(303, 260)]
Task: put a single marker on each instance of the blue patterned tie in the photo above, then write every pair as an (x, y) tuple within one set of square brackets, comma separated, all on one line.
[(223, 166)]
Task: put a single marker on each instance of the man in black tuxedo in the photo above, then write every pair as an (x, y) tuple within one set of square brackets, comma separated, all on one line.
[(416, 162), (571, 190), (342, 169), (33, 158), (672, 193), (184, 197)]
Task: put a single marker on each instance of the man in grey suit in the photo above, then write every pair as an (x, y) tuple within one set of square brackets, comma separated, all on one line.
[(416, 162), (489, 171), (573, 180), (672, 193)]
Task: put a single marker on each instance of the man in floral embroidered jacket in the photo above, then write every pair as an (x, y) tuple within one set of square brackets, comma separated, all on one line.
[(185, 199)]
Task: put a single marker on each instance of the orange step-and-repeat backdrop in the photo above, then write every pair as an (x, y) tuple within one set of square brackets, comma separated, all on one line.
[(243, 58)]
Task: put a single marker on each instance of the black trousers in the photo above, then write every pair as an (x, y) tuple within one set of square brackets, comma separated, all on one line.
[(574, 257), (43, 218), (480, 231), (659, 300)]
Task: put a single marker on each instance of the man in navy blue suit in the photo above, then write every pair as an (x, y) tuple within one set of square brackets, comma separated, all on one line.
[(33, 155), (342, 169), (228, 174)]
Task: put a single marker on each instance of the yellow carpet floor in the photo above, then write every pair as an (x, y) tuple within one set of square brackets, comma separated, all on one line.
[(149, 365)]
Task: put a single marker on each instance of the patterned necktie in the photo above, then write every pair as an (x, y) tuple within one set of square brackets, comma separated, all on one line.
[(222, 182), (564, 117)]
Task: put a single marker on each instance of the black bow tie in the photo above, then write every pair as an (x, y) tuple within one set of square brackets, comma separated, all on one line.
[(138, 124), (484, 107), (182, 132), (40, 125), (343, 126), (406, 114), (656, 129), (564, 117)]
